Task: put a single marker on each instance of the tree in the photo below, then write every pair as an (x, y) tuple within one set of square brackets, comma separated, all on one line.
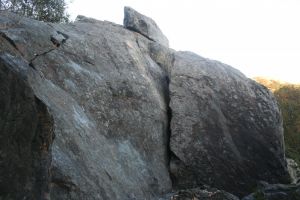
[(43, 10), (288, 97)]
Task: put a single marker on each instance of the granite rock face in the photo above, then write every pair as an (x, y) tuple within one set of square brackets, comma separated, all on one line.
[(226, 130), (108, 102), (26, 135), (144, 25), (95, 110)]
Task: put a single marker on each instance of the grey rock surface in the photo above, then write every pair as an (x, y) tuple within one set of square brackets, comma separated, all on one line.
[(26, 137), (107, 100), (226, 130), (294, 170), (108, 93), (202, 194), (144, 25), (267, 191)]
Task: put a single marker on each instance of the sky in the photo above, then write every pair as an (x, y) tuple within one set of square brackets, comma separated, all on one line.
[(258, 37)]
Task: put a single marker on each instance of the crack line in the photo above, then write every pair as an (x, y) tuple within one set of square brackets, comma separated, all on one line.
[(11, 42)]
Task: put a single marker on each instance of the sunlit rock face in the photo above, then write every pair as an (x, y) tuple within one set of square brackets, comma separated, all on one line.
[(96, 110)]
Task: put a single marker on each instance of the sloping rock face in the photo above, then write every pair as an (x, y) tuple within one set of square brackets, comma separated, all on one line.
[(102, 91), (226, 129), (26, 135), (108, 102)]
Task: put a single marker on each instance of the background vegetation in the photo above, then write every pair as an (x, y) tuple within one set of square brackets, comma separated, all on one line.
[(288, 97), (42, 10)]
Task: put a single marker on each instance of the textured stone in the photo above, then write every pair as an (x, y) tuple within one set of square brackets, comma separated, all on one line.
[(294, 170), (202, 194), (226, 130), (267, 191), (26, 129), (104, 91), (144, 25), (107, 100)]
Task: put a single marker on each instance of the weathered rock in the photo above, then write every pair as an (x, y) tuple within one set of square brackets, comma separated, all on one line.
[(267, 191), (294, 170), (26, 129), (144, 25), (104, 94), (226, 130), (108, 103), (202, 194)]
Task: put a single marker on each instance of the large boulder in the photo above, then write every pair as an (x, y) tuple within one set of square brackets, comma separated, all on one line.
[(103, 90), (108, 103), (226, 130)]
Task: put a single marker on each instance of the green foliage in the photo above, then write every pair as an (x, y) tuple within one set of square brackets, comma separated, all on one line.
[(288, 98), (43, 10)]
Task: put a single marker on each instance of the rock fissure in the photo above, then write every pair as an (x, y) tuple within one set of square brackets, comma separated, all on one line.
[(169, 112), (41, 54), (140, 33), (11, 42), (166, 69), (57, 42)]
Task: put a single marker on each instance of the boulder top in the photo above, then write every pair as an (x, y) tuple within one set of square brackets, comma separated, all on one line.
[(144, 25)]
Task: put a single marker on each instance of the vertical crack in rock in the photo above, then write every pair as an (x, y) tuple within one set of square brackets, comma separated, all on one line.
[(169, 114), (164, 57)]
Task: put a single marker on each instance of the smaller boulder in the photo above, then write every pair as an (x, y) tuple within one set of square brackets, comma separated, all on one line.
[(144, 25)]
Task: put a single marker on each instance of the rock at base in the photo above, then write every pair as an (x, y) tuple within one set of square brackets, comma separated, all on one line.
[(267, 191), (202, 194)]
